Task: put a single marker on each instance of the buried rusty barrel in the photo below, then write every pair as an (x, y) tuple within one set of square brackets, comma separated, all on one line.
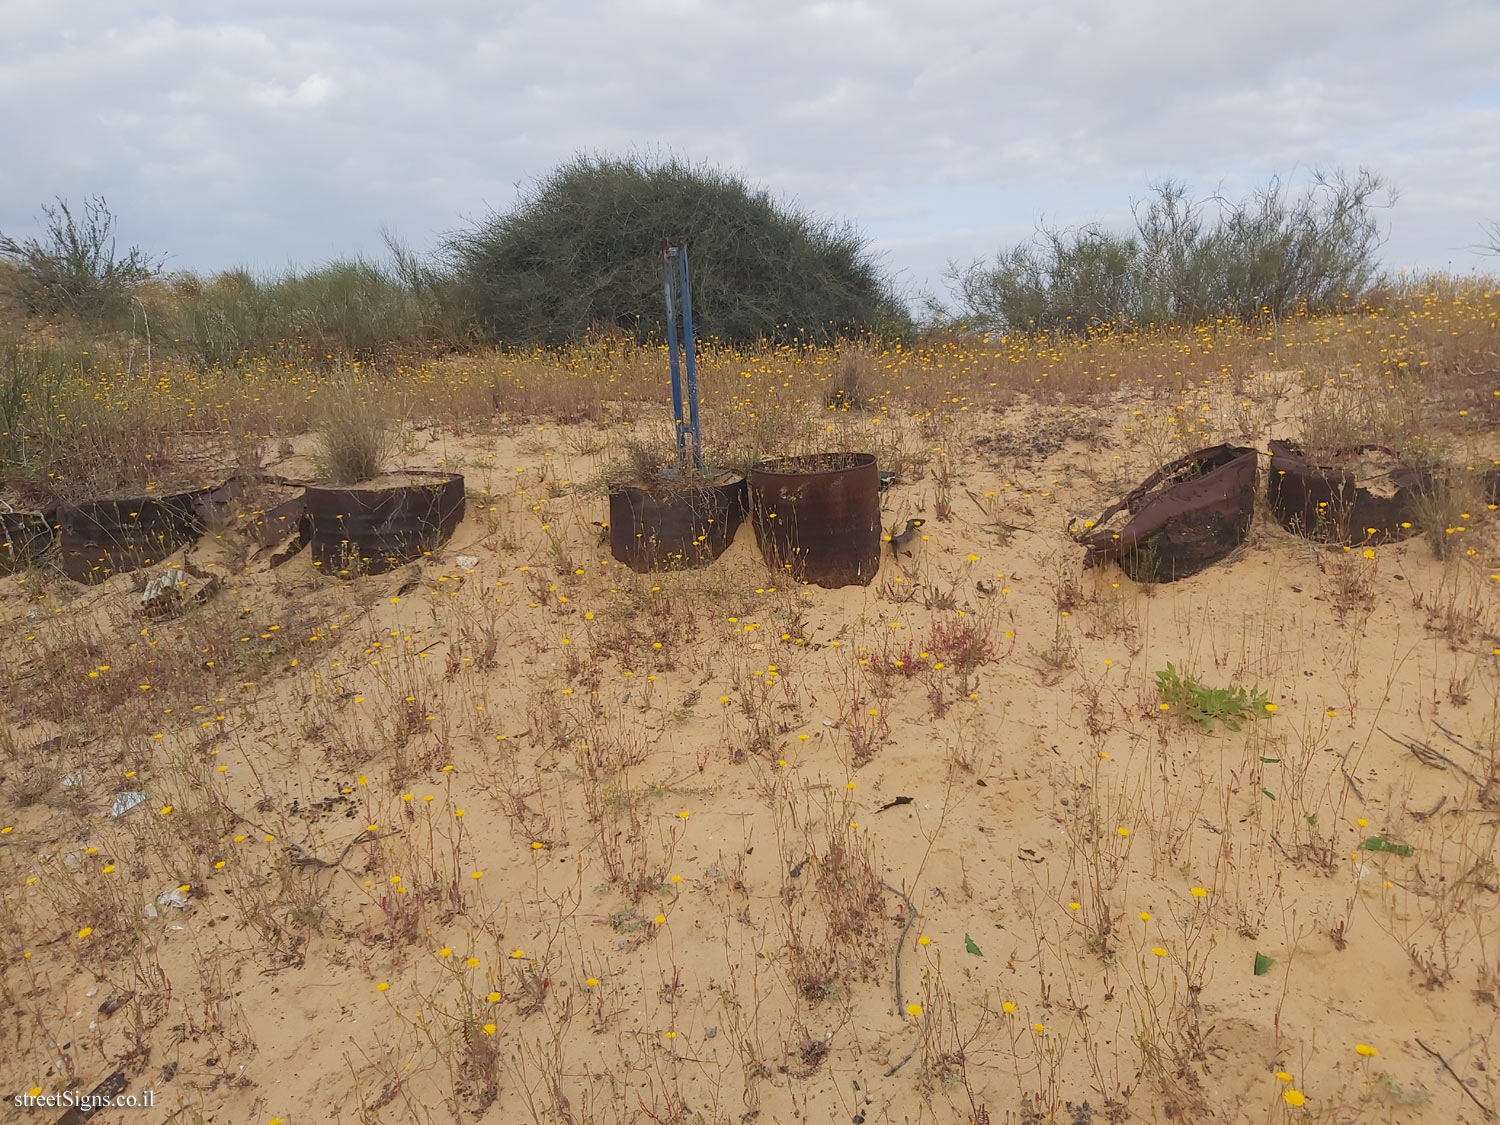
[(675, 524), (371, 527), (817, 518), (99, 538), (1365, 496), (1183, 517)]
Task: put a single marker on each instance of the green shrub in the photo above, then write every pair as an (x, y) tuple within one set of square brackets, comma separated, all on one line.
[(355, 436), (347, 308), (74, 268), (583, 249), (1061, 280), (1272, 253)]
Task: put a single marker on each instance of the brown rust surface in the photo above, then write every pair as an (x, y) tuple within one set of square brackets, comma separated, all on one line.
[(1372, 499)]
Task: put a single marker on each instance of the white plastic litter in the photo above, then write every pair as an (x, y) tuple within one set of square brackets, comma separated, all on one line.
[(163, 590), (468, 562), (173, 896), (126, 801)]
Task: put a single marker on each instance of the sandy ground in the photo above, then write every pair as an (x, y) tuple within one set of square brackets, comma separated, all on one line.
[(597, 880)]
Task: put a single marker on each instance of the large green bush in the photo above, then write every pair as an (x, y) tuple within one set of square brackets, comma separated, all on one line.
[(1188, 260), (583, 249)]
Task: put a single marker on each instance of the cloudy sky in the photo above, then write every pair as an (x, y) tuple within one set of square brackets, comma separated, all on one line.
[(280, 132)]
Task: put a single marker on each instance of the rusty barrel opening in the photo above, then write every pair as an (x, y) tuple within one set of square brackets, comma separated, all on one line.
[(99, 538), (674, 524), (1367, 495), (817, 517), (24, 538), (370, 528), (1185, 516)]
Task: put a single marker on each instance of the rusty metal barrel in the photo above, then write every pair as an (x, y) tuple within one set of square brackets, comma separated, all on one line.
[(1349, 502), (664, 529), (99, 538), (1183, 517), (370, 528), (817, 517)]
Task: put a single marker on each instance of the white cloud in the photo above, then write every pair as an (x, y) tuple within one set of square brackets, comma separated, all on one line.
[(293, 131), (313, 90)]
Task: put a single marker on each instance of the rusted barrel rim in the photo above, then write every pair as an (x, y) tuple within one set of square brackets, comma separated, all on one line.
[(806, 465), (424, 478)]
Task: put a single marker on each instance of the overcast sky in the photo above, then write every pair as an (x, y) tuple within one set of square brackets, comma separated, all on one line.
[(280, 132)]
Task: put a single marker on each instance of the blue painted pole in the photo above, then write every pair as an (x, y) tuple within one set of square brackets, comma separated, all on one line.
[(668, 255), (690, 354)]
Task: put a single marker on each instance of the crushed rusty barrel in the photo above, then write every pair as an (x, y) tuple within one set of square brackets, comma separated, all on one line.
[(24, 538), (675, 524), (1336, 504), (817, 518), (276, 522), (370, 528), (99, 538), (1184, 517), (268, 509)]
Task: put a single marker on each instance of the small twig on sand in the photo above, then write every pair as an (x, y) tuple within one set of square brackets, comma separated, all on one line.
[(1349, 777), (1453, 738), (1429, 756), (1418, 814), (911, 917), (1489, 1114)]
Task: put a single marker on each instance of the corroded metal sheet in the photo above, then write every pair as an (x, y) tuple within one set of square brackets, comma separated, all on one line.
[(99, 538), (1336, 504)]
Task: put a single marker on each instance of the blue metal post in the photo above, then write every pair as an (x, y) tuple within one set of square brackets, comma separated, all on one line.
[(668, 254), (690, 355)]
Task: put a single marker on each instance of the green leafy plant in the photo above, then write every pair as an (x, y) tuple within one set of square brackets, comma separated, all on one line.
[(1203, 705)]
